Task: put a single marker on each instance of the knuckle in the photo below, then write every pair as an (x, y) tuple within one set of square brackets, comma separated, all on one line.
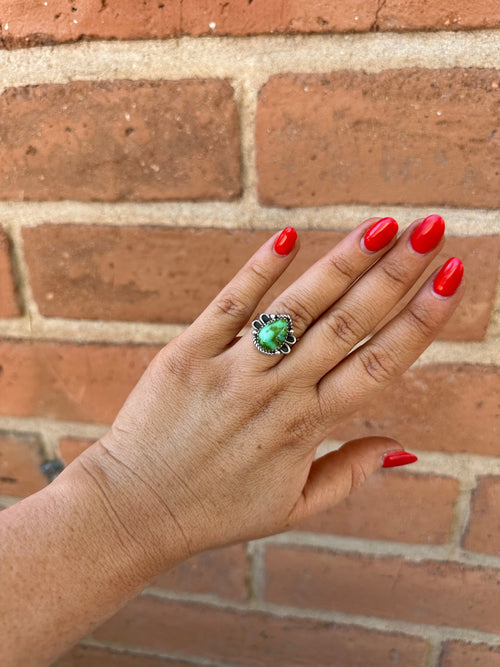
[(378, 363), (358, 475), (259, 272), (343, 267), (300, 313), (234, 305), (302, 426), (346, 326), (421, 319), (176, 361), (396, 273)]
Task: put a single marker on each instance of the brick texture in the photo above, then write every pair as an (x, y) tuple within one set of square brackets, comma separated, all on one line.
[(157, 274), (20, 458), (411, 136), (391, 505), (460, 654), (240, 17), (88, 656), (444, 407), (32, 22), (387, 587), (255, 639), (9, 303), (71, 448), (120, 141), (68, 380), (221, 572), (483, 533)]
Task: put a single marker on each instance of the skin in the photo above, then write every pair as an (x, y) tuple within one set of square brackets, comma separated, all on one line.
[(216, 443)]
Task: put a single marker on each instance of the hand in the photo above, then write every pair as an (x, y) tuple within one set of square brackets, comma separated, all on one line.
[(217, 441)]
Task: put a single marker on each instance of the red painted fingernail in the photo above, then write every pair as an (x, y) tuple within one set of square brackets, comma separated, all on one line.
[(449, 277), (380, 234), (394, 459), (428, 234), (285, 241)]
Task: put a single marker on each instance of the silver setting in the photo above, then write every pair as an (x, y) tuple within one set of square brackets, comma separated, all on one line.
[(264, 319)]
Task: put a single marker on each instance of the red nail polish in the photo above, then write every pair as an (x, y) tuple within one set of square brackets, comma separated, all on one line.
[(285, 241), (449, 277), (394, 459), (380, 234), (428, 234)]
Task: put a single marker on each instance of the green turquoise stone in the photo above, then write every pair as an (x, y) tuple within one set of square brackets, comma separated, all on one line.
[(272, 335)]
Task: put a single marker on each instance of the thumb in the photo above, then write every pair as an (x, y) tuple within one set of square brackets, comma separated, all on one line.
[(333, 476)]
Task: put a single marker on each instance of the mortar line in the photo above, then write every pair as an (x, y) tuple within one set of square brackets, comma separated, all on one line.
[(434, 650), (255, 553), (179, 656), (30, 308), (455, 465), (245, 213), (461, 514), (414, 553), (422, 630), (260, 55), (494, 325), (33, 326)]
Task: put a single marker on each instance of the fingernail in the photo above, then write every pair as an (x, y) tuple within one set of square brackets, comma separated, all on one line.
[(380, 234), (394, 459), (285, 241), (449, 277), (428, 234)]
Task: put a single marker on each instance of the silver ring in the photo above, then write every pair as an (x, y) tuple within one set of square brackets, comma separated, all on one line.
[(273, 334)]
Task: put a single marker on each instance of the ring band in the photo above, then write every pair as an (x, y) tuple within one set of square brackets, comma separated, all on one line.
[(273, 334)]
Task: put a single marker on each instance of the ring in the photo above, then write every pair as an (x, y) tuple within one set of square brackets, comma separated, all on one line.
[(273, 334)]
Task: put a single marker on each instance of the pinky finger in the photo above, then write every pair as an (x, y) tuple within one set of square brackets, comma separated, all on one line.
[(396, 346)]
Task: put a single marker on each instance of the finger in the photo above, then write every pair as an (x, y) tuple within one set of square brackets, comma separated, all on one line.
[(231, 309), (366, 304), (324, 282), (333, 476), (396, 346)]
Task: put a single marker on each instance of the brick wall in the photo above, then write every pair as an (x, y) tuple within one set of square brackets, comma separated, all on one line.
[(146, 149)]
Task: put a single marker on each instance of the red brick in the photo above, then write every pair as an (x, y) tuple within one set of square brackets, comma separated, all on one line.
[(441, 15), (88, 656), (159, 274), (240, 17), (120, 141), (460, 654), (20, 459), (430, 592), (255, 639), (483, 533), (9, 303), (411, 136), (443, 407), (392, 505), (87, 382), (221, 572), (30, 22), (71, 448)]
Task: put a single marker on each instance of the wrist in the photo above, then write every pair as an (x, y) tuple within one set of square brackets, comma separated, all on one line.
[(124, 514)]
